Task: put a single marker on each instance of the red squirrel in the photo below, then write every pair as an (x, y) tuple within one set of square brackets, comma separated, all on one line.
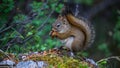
[(76, 33)]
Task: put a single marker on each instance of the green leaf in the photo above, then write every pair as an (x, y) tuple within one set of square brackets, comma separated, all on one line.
[(37, 46), (29, 33), (43, 47), (53, 6)]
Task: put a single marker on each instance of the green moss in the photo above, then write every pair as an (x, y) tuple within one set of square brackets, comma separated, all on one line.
[(60, 61)]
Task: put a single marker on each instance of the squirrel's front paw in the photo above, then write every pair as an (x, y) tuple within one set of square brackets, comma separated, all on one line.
[(53, 34)]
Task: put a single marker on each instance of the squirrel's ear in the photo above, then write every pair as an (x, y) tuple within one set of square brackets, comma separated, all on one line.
[(61, 17), (64, 19)]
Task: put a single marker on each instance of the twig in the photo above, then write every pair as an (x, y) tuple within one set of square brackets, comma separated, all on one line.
[(9, 44), (6, 29), (2, 27), (113, 57), (5, 54), (45, 22)]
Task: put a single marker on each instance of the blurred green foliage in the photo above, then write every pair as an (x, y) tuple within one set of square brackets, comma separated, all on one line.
[(40, 40), (116, 35), (104, 48), (5, 7)]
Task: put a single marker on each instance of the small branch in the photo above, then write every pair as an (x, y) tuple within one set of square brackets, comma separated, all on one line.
[(45, 22), (3, 26), (9, 44), (113, 57), (5, 54), (6, 29)]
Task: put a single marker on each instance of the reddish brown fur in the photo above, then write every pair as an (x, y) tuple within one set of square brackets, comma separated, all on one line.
[(70, 26)]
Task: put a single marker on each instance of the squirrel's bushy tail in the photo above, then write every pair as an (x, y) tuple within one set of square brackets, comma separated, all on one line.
[(88, 27)]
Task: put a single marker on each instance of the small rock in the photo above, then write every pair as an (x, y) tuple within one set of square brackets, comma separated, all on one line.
[(42, 64), (27, 64), (7, 62)]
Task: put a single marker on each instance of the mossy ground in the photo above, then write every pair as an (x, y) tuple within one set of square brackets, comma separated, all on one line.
[(54, 59), (58, 59)]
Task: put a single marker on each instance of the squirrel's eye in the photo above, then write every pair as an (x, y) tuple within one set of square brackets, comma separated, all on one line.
[(58, 25)]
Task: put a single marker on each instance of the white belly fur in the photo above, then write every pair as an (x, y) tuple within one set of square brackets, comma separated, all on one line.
[(68, 42)]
